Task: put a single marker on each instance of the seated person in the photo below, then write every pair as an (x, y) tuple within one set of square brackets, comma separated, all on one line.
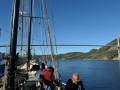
[(74, 83), (48, 75), (47, 78), (39, 75)]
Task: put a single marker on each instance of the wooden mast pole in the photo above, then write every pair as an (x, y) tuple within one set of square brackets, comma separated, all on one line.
[(11, 72), (29, 36)]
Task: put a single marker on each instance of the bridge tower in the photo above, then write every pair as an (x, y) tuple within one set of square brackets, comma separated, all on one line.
[(118, 46)]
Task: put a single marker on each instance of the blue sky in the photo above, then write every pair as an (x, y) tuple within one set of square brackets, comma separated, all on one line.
[(75, 21)]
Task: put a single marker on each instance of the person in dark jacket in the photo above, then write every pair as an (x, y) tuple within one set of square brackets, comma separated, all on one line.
[(74, 83)]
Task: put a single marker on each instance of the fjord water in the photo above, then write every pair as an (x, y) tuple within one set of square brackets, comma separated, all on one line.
[(95, 74)]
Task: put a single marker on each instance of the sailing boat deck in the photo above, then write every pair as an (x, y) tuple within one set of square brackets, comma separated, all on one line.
[(17, 77)]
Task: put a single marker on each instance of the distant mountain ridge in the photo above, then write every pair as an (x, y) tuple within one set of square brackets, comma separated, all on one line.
[(106, 52)]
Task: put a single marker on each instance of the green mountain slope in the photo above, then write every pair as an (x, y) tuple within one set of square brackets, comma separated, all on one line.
[(104, 53)]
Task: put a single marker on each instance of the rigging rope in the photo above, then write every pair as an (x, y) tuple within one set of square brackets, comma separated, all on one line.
[(50, 40)]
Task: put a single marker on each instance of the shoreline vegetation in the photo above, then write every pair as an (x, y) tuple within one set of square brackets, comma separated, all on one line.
[(106, 52)]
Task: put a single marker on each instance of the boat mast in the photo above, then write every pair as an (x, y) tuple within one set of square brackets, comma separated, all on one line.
[(11, 72), (29, 36), (22, 14)]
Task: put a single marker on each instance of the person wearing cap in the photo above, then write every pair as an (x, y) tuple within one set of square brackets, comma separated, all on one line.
[(74, 83)]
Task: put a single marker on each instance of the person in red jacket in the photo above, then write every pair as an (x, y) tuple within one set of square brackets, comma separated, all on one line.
[(48, 76)]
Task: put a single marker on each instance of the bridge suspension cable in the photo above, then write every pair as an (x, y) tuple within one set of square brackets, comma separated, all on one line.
[(65, 45)]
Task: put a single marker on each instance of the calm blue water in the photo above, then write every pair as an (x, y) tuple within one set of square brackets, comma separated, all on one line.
[(96, 75)]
